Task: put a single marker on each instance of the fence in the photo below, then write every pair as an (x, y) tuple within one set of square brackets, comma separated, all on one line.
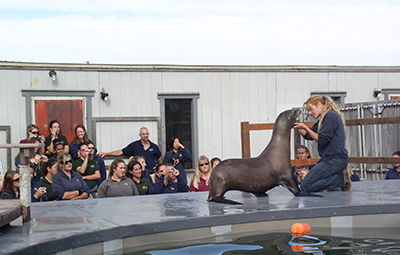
[(370, 141)]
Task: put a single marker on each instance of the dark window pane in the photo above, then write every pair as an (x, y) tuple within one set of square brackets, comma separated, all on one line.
[(178, 121)]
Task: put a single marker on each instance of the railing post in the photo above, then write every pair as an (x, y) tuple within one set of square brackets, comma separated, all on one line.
[(245, 135), (25, 182)]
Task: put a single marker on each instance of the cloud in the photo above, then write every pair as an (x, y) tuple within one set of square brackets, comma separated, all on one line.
[(202, 32)]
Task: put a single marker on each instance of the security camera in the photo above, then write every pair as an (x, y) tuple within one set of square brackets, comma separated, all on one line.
[(376, 92)]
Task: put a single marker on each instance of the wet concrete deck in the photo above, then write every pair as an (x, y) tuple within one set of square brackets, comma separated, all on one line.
[(63, 225)]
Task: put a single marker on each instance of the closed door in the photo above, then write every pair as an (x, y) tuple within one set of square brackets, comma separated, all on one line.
[(68, 112)]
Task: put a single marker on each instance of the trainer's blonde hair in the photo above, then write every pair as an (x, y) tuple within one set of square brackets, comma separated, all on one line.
[(328, 104)]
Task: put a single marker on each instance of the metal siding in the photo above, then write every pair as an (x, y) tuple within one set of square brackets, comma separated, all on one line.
[(226, 99)]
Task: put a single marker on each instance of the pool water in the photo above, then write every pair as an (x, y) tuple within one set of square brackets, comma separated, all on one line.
[(283, 243)]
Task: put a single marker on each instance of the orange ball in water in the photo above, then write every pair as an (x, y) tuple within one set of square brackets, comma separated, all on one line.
[(301, 229)]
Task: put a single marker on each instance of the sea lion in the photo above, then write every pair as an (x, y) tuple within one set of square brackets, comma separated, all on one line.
[(257, 175)]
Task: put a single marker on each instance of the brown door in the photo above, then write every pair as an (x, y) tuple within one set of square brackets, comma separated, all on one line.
[(68, 113)]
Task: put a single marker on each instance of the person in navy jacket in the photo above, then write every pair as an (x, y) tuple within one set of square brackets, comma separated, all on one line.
[(331, 171), (169, 182), (68, 184), (178, 156), (394, 173)]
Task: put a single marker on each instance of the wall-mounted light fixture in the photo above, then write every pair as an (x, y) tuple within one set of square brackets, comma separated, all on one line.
[(104, 95), (53, 75), (376, 92)]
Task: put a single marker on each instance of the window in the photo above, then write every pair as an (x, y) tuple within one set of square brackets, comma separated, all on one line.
[(337, 97)]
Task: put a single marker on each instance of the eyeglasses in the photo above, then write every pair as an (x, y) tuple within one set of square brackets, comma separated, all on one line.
[(204, 164), (68, 162), (91, 148), (35, 133)]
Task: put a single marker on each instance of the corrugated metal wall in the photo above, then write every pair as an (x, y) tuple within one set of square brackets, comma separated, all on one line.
[(227, 96)]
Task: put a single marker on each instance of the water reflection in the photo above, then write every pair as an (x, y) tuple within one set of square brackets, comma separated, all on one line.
[(281, 243)]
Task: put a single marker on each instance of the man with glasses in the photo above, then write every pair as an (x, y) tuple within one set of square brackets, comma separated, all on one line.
[(143, 147)]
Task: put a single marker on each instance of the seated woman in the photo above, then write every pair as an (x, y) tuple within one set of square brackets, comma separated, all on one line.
[(49, 169), (117, 184), (39, 156), (160, 170), (301, 172), (304, 153), (169, 182), (33, 131), (142, 161), (201, 178), (10, 189), (100, 162), (55, 133), (178, 156), (68, 184), (80, 137), (215, 161), (58, 148), (38, 193), (135, 172)]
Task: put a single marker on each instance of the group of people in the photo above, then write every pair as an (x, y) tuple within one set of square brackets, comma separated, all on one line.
[(62, 171), (76, 170)]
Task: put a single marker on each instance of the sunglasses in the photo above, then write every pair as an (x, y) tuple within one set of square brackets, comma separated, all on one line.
[(68, 162), (204, 164), (35, 133), (16, 180)]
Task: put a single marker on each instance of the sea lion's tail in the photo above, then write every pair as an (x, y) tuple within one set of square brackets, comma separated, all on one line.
[(219, 199)]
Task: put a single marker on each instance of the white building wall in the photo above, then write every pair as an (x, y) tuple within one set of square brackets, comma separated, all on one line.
[(227, 97)]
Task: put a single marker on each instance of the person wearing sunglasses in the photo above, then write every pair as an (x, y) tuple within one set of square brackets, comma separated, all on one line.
[(33, 131), (68, 184), (10, 189), (201, 178)]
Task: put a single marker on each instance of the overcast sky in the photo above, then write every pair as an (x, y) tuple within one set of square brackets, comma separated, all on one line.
[(202, 32)]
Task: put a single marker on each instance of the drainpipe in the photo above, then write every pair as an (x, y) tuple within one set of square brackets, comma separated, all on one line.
[(361, 140)]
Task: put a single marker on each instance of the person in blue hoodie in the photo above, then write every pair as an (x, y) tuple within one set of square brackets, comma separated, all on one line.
[(394, 173), (169, 182), (38, 193), (331, 171)]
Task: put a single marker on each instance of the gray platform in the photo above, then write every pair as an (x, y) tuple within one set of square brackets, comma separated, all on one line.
[(64, 225)]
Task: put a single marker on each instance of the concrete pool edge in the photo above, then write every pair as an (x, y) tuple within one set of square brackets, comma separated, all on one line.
[(190, 212)]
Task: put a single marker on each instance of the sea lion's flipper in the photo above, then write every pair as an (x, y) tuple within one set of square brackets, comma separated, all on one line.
[(307, 194), (260, 194), (219, 199)]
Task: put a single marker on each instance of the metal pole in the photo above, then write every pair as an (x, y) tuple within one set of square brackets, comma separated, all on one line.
[(25, 183)]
